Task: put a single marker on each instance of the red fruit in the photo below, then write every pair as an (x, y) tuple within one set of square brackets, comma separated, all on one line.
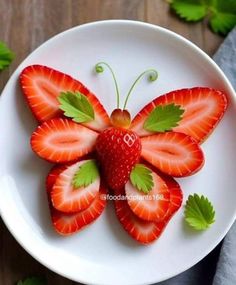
[(42, 85), (66, 198), (152, 206), (204, 108), (52, 176), (118, 150), (67, 224), (62, 140), (176, 198), (173, 153), (142, 231), (176, 195)]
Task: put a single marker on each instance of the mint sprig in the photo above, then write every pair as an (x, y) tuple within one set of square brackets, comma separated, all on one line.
[(221, 13), (199, 212), (6, 56), (86, 174), (141, 178), (76, 106), (163, 118)]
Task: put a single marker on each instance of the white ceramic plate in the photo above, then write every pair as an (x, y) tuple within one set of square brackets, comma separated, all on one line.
[(103, 253)]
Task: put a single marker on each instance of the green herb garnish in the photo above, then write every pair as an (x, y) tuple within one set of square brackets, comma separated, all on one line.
[(199, 212)]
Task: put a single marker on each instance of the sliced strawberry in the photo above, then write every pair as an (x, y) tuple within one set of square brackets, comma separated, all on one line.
[(67, 224), (203, 109), (142, 231), (176, 198), (62, 140), (42, 85), (173, 153), (52, 176), (68, 199), (152, 206), (176, 195)]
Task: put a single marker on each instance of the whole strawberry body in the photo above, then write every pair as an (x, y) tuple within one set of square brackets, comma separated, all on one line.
[(118, 150)]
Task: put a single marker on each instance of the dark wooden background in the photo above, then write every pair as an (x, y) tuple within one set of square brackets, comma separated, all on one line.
[(24, 25)]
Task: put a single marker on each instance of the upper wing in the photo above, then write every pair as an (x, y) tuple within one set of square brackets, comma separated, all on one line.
[(203, 109), (42, 85)]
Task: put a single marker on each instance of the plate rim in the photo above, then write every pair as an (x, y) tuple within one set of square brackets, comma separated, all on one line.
[(125, 22)]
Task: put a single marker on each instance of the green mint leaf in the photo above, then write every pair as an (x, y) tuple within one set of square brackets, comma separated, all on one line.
[(141, 178), (32, 281), (86, 174), (199, 212), (223, 23), (221, 13), (6, 56), (223, 16), (163, 118), (190, 10), (76, 106)]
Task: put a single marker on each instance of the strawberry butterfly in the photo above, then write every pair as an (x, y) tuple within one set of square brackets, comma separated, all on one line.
[(135, 159)]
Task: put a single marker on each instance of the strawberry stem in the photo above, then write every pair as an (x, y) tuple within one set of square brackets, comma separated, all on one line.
[(153, 75), (100, 69)]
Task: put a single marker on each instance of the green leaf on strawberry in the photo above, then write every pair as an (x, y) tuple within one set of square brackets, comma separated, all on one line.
[(163, 118), (76, 106), (141, 178), (199, 212), (86, 174), (6, 56), (32, 281)]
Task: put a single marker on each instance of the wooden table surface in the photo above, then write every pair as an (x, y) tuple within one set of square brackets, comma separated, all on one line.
[(24, 25)]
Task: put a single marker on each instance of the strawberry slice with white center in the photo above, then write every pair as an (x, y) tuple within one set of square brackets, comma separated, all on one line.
[(42, 85), (66, 198), (62, 140), (173, 153), (203, 109), (67, 224), (142, 231), (152, 206)]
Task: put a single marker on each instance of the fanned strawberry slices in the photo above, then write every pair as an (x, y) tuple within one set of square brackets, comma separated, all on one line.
[(42, 85), (142, 229), (151, 207), (203, 109), (133, 159), (68, 223)]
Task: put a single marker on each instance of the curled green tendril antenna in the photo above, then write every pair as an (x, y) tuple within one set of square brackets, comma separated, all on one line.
[(99, 69), (153, 75)]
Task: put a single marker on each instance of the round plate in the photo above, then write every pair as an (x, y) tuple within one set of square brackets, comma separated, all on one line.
[(103, 253)]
